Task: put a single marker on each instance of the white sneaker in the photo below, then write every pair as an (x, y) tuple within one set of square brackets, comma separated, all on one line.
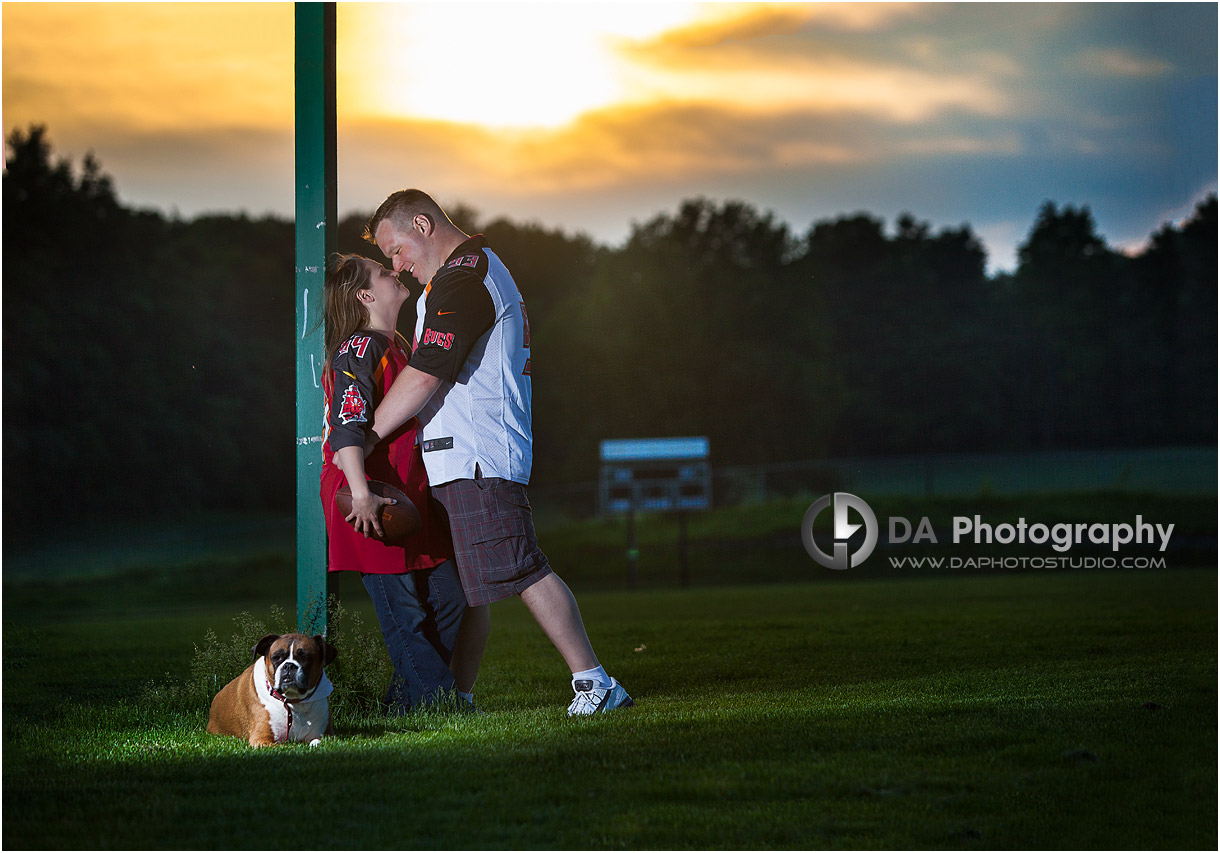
[(597, 700)]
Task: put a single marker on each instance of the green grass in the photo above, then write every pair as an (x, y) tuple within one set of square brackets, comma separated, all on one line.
[(1071, 710)]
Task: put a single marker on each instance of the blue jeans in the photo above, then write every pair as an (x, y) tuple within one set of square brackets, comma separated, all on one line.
[(419, 613)]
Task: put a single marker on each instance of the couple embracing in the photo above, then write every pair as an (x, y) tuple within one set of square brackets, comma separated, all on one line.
[(446, 419)]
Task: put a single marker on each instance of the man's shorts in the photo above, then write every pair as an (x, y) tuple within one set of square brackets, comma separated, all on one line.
[(494, 543)]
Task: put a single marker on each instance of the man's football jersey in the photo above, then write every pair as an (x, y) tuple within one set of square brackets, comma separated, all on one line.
[(472, 331)]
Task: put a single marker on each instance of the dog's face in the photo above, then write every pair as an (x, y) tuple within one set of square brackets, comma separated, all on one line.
[(294, 662)]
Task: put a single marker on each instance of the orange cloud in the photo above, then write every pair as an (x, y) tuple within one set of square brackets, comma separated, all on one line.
[(725, 23), (609, 148), (148, 66)]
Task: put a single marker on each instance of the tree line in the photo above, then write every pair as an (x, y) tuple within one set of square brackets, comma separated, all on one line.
[(149, 360)]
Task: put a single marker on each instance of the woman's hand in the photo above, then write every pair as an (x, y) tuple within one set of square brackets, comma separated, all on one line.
[(366, 511)]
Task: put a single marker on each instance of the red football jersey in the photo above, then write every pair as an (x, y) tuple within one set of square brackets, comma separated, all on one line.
[(361, 372)]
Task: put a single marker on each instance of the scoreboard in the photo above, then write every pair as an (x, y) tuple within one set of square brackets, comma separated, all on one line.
[(655, 475)]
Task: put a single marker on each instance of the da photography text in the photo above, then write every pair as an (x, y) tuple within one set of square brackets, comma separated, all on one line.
[(851, 514)]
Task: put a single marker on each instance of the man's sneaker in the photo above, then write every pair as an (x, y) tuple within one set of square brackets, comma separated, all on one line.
[(597, 700)]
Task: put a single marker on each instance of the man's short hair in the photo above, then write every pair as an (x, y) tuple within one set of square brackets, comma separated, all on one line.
[(400, 208)]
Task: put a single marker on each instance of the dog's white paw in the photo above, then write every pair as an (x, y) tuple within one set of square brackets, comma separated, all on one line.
[(315, 742)]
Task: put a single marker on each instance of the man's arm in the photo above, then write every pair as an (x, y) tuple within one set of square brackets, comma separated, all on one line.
[(459, 312), (411, 390)]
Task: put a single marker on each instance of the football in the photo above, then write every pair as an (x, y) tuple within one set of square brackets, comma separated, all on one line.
[(398, 520)]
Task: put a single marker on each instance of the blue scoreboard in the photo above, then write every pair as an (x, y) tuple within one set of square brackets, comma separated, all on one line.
[(655, 475)]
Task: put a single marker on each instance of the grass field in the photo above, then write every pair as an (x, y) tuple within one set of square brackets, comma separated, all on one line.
[(1069, 710)]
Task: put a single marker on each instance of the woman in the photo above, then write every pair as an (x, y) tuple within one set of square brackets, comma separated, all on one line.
[(414, 588)]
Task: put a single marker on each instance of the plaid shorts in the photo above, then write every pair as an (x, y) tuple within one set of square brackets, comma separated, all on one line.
[(494, 544)]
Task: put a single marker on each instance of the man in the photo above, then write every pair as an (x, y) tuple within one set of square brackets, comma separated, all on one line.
[(469, 383)]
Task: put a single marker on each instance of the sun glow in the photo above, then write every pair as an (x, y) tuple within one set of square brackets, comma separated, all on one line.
[(511, 65)]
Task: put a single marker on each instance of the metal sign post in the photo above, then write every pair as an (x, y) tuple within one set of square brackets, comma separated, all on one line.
[(315, 239)]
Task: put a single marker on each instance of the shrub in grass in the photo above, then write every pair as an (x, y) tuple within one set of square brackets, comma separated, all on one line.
[(216, 662), (360, 672)]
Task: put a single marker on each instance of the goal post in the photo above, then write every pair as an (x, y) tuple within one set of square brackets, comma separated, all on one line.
[(316, 227)]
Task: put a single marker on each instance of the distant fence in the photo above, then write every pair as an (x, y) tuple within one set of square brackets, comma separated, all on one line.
[(1177, 470), (1168, 470)]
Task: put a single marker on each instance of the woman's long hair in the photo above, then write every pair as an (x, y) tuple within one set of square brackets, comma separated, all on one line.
[(346, 275)]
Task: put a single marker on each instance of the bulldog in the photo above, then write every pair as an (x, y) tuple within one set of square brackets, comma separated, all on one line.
[(282, 696)]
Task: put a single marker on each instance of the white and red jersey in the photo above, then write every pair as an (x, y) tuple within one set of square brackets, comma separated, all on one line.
[(472, 332)]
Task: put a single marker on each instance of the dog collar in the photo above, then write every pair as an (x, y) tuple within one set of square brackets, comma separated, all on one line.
[(321, 690), (287, 707)]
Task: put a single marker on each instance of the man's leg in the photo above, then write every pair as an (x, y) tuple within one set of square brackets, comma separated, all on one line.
[(471, 639), (555, 609), (460, 634), (468, 650), (498, 555)]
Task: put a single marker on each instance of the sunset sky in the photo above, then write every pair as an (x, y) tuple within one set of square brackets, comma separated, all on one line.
[(588, 116)]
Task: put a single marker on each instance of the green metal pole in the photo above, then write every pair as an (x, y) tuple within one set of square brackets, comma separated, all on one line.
[(315, 239)]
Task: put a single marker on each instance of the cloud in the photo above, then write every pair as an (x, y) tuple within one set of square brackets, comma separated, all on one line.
[(813, 84), (148, 66), (770, 58), (188, 106), (728, 23), (212, 169), (1115, 62), (1002, 144), (642, 145)]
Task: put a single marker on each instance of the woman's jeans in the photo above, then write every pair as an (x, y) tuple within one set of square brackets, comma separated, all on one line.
[(419, 613)]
